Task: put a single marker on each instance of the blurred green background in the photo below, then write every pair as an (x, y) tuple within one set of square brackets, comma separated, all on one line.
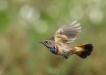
[(23, 23)]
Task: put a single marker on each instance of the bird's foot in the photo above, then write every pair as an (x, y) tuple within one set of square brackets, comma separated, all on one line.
[(66, 57)]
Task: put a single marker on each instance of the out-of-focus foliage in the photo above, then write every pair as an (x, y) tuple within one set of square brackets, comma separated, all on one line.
[(23, 23)]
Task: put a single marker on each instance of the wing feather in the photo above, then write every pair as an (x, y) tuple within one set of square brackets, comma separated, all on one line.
[(68, 32)]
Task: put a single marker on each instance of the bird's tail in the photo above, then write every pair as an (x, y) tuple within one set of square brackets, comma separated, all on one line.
[(83, 50)]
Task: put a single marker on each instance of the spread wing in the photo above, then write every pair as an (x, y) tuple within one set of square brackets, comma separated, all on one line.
[(67, 33)]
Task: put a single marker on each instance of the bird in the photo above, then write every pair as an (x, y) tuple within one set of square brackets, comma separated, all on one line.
[(59, 43)]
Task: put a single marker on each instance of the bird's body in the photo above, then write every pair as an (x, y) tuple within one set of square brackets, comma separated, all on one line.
[(65, 50), (59, 44)]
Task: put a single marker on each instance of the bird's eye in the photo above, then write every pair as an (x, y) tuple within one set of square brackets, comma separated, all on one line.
[(46, 41)]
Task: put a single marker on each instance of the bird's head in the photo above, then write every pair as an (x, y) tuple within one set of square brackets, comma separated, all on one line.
[(47, 43)]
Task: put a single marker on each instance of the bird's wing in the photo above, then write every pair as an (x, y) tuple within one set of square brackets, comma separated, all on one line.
[(67, 33)]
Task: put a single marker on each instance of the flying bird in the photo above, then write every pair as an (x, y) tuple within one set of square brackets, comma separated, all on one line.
[(59, 43)]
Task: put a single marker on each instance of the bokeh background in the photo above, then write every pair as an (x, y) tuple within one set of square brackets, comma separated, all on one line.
[(23, 23)]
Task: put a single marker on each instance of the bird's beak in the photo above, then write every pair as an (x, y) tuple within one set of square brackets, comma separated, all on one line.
[(41, 42)]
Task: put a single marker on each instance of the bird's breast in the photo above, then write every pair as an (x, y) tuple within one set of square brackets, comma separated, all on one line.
[(54, 49), (62, 49)]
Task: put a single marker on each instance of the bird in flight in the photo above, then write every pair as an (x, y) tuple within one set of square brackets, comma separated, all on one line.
[(59, 44)]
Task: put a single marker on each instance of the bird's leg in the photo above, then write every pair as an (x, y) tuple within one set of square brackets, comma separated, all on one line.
[(65, 55)]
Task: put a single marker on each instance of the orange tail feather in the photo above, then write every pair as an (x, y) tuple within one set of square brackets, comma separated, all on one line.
[(84, 50)]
